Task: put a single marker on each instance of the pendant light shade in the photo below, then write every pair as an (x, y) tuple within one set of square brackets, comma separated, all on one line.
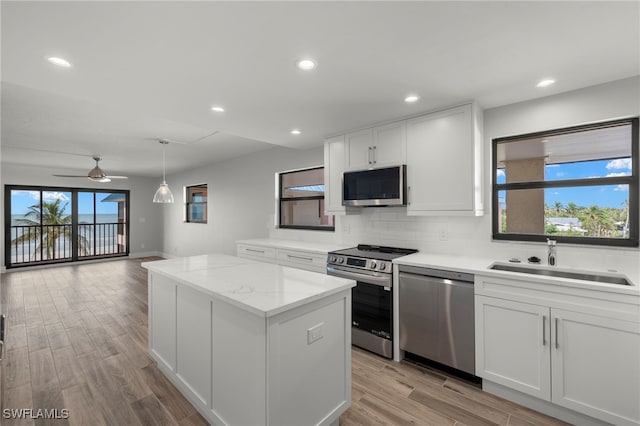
[(163, 194)]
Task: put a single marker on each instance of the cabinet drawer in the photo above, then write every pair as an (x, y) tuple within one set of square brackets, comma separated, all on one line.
[(265, 254), (301, 259)]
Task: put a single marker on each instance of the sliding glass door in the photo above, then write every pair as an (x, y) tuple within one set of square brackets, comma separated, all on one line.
[(50, 225)]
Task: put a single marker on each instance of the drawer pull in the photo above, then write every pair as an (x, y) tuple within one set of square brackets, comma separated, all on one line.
[(255, 251), (309, 259)]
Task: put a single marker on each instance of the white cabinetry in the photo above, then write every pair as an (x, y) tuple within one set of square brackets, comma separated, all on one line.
[(316, 262), (162, 313), (181, 334), (286, 366), (334, 163), (379, 146), (444, 163), (255, 252), (308, 258), (573, 350)]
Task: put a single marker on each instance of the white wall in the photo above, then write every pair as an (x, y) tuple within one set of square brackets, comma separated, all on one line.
[(241, 200), (145, 217)]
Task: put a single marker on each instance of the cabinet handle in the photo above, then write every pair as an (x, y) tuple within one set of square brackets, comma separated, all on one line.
[(544, 330), (557, 345), (374, 155), (370, 152), (299, 257), (255, 251), (408, 195)]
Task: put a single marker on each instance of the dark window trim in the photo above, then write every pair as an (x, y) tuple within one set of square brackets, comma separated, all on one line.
[(282, 199), (632, 181), (188, 203), (74, 222)]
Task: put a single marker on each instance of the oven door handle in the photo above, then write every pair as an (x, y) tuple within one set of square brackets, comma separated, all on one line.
[(383, 281)]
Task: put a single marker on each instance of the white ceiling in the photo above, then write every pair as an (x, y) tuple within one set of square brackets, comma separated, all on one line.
[(149, 70)]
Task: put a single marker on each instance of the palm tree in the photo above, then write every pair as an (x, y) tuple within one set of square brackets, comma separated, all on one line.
[(48, 226)]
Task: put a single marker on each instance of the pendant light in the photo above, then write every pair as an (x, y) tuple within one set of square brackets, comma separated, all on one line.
[(163, 194)]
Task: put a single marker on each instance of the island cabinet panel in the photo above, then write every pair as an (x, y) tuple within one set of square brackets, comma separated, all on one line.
[(238, 366), (162, 314), (248, 343), (194, 342), (309, 363)]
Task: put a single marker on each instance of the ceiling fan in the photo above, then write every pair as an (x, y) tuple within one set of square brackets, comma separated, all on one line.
[(96, 174)]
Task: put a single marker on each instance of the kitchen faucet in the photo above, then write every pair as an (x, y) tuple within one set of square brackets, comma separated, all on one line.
[(552, 256)]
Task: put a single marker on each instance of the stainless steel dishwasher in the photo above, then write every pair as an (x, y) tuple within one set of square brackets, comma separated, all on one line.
[(436, 316)]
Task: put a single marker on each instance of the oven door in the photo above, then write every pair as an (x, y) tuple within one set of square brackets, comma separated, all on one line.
[(371, 309)]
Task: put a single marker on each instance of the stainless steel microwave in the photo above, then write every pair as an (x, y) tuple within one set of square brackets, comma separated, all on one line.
[(375, 187)]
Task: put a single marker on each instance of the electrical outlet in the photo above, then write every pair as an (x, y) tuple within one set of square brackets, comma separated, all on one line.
[(315, 333), (443, 234), (142, 245)]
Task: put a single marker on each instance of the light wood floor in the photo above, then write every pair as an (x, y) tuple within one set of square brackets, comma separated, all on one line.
[(77, 340)]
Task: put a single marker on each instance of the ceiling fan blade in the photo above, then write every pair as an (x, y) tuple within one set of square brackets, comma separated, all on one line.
[(72, 176), (117, 177)]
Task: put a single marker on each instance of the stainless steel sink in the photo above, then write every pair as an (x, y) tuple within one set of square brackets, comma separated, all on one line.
[(601, 278)]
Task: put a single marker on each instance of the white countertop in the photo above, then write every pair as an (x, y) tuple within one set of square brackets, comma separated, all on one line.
[(295, 245), (264, 289), (480, 265)]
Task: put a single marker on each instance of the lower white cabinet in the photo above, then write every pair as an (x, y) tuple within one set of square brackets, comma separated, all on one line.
[(255, 252), (301, 259), (162, 337), (584, 362)]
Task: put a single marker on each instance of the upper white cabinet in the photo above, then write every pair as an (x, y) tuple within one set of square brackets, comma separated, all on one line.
[(335, 155), (379, 146), (444, 163)]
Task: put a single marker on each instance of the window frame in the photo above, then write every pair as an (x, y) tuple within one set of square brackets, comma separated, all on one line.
[(282, 199), (632, 181), (188, 203), (75, 257)]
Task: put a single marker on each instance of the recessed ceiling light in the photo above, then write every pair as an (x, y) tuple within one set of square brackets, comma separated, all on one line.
[(217, 108), (295, 132), (411, 99), (546, 82), (59, 62), (306, 64)]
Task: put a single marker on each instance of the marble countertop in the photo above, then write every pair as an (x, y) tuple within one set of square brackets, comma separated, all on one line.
[(480, 265), (295, 245), (264, 289)]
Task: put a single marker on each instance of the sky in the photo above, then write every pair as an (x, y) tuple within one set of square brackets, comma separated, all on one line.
[(603, 196), (22, 200)]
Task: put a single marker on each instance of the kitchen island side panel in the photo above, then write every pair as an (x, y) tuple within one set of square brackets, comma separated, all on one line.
[(238, 365)]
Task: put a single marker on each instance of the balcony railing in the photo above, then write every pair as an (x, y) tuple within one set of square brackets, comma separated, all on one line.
[(47, 243)]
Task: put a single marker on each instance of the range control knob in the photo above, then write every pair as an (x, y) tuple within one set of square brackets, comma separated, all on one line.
[(341, 260), (383, 266), (332, 259), (373, 264)]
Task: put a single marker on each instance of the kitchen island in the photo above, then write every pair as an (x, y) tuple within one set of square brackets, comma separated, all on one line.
[(250, 343)]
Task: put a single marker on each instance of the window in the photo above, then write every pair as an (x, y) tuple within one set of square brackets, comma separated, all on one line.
[(196, 197), (573, 185), (301, 200), (50, 225)]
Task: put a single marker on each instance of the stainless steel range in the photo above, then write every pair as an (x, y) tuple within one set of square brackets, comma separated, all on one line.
[(372, 297)]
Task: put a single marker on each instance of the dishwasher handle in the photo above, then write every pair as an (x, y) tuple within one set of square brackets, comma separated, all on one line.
[(437, 273)]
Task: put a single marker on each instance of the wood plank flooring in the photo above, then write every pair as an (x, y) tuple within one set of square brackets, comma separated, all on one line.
[(77, 340)]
